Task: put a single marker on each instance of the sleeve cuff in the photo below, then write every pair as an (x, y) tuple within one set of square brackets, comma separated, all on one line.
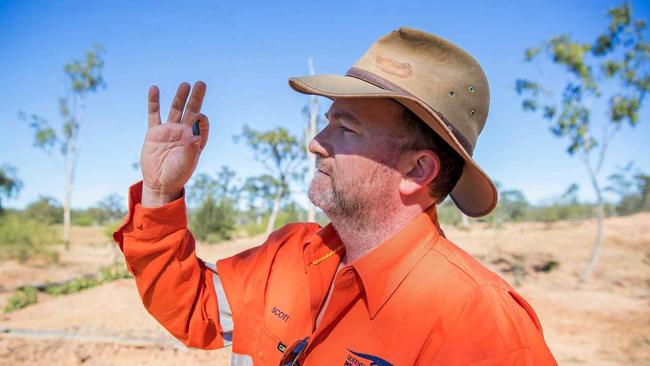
[(148, 223)]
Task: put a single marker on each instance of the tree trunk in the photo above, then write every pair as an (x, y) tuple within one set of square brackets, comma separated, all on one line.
[(67, 196), (312, 130), (274, 212), (598, 244), (464, 220), (70, 160)]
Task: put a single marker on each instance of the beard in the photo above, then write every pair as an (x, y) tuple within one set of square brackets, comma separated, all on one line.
[(350, 198), (334, 196)]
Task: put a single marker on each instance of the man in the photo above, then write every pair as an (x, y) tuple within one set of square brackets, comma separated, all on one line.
[(379, 285)]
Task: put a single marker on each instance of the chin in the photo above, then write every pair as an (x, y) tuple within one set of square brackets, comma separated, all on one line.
[(320, 194)]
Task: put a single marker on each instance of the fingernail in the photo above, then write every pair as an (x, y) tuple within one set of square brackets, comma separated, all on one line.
[(195, 128)]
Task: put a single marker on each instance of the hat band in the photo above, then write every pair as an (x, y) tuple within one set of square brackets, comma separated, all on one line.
[(377, 80)]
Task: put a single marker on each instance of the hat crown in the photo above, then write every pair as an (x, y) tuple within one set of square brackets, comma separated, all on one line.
[(437, 72)]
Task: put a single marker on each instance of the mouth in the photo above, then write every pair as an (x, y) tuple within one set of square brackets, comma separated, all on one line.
[(322, 172)]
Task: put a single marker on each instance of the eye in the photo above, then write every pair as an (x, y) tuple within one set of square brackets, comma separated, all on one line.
[(345, 129)]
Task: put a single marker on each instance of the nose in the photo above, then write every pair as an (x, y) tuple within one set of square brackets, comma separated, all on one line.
[(317, 145)]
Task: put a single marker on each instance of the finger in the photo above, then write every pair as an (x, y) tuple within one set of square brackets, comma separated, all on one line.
[(178, 104), (200, 130), (195, 102), (194, 144), (153, 116), (204, 127)]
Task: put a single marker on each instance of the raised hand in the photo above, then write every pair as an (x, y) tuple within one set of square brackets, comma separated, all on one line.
[(171, 150)]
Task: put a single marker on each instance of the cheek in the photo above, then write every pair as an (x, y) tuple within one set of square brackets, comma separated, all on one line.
[(359, 170)]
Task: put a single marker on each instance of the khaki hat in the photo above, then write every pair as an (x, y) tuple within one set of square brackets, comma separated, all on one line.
[(439, 82)]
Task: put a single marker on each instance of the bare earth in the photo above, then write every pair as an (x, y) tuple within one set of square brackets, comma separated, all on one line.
[(603, 322)]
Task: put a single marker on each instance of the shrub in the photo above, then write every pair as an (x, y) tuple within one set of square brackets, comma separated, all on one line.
[(448, 214), (23, 239), (111, 227), (26, 296), (213, 222), (106, 274), (46, 210), (23, 297), (84, 220)]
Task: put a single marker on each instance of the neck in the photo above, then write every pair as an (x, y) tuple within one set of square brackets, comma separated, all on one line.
[(368, 231)]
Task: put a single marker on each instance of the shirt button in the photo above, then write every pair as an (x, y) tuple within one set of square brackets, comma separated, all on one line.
[(260, 354), (139, 226)]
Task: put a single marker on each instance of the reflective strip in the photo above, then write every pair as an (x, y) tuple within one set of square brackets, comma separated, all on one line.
[(241, 360), (225, 315)]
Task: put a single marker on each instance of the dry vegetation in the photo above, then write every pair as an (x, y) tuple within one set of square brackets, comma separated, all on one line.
[(604, 322)]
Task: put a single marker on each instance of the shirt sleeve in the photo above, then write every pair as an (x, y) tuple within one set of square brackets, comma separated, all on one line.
[(181, 291), (495, 326)]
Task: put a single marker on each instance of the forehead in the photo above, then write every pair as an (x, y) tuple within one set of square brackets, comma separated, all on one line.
[(370, 113)]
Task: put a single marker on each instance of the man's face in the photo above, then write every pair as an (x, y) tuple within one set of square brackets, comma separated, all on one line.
[(356, 155)]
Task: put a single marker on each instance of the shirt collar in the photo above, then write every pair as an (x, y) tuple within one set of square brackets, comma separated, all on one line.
[(321, 243), (384, 268)]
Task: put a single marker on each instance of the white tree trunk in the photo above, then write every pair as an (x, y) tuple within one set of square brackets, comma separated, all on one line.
[(70, 160), (67, 195), (464, 220), (274, 213), (311, 132), (600, 210)]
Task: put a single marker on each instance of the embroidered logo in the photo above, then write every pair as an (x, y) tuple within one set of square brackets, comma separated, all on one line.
[(362, 359), (394, 67)]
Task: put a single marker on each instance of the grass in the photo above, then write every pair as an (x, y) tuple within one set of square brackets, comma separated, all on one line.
[(26, 296), (23, 297), (22, 238)]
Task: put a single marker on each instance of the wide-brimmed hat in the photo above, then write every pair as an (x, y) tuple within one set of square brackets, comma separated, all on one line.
[(439, 82)]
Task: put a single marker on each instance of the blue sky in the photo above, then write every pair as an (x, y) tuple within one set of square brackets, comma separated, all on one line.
[(245, 51)]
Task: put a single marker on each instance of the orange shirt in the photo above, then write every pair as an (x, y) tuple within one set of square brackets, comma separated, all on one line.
[(416, 299)]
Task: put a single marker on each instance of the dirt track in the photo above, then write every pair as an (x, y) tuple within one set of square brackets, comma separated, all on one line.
[(605, 322)]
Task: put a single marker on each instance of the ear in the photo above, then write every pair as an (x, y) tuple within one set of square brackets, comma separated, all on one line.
[(424, 168)]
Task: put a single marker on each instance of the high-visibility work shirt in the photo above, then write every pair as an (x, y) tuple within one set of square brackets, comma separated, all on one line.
[(416, 299)]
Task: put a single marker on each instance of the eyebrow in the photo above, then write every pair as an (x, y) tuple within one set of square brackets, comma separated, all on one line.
[(342, 115)]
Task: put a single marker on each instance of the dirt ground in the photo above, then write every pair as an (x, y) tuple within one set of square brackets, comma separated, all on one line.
[(604, 322)]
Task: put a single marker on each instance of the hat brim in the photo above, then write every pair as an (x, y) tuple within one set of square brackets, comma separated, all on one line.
[(474, 194)]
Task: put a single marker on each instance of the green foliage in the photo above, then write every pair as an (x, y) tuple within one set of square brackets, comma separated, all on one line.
[(23, 238), (116, 272), (76, 285), (24, 297), (212, 222), (620, 54), (512, 206), (109, 209), (448, 213), (83, 76), (262, 191), (214, 219), (282, 155), (46, 210), (290, 212), (632, 188), (10, 185), (83, 220), (277, 149), (254, 227), (110, 228), (560, 212), (105, 275), (86, 75)]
